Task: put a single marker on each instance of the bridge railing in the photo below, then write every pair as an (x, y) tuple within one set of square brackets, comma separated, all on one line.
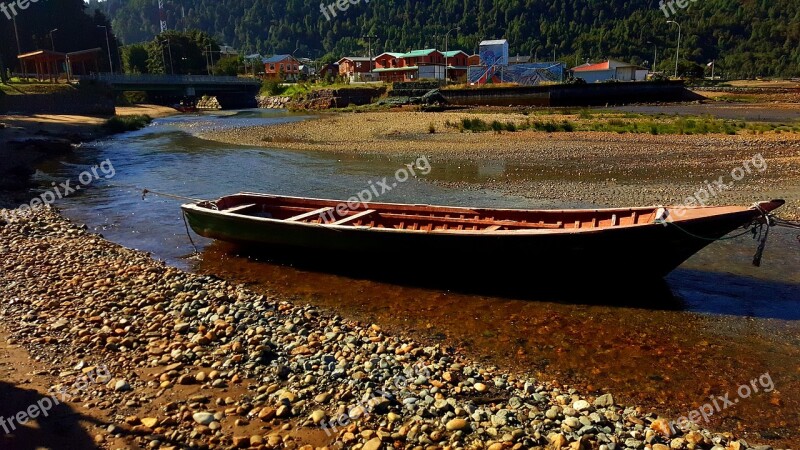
[(168, 79)]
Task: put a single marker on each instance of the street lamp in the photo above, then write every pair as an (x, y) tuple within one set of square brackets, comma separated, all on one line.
[(52, 44), (677, 50), (108, 46), (169, 49), (655, 54), (446, 50)]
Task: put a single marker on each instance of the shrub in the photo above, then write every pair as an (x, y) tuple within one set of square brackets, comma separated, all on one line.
[(121, 124), (431, 128)]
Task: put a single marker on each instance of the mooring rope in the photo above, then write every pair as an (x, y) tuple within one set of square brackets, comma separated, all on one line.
[(173, 196), (146, 191)]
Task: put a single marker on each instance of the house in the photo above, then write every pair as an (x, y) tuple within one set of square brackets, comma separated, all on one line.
[(283, 67), (352, 65), (226, 51), (474, 60), (330, 70), (49, 65), (494, 52), (609, 70), (457, 64), (411, 66)]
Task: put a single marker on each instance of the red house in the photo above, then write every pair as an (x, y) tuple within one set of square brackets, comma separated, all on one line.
[(351, 65), (284, 67), (411, 66), (457, 65)]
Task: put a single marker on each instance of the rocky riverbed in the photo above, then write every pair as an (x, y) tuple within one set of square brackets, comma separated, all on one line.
[(196, 362), (601, 168)]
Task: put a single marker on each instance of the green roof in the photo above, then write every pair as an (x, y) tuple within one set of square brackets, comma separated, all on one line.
[(416, 53), (452, 53), (396, 69)]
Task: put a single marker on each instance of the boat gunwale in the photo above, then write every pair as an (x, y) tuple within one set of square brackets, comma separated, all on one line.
[(524, 232)]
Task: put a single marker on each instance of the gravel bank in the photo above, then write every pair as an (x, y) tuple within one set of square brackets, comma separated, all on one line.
[(196, 362), (605, 169)]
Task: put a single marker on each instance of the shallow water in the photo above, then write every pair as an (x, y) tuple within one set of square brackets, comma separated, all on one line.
[(715, 323)]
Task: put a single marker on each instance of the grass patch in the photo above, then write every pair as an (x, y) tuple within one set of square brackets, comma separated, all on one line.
[(624, 123), (121, 124)]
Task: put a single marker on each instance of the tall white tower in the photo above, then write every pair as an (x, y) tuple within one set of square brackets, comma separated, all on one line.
[(162, 15)]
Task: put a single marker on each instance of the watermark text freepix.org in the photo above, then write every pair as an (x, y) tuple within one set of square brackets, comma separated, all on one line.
[(377, 189), (341, 5), (42, 407), (10, 9), (65, 189), (668, 6), (716, 187), (718, 403)]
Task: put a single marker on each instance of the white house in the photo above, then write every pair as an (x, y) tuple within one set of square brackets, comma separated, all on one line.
[(610, 70)]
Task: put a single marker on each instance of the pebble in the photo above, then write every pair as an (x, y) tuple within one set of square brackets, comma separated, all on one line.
[(203, 418), (456, 424), (257, 357)]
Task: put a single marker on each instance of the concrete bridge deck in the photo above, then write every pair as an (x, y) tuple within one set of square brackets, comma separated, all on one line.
[(232, 92)]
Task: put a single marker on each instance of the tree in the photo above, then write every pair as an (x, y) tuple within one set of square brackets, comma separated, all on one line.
[(134, 58), (229, 65), (181, 53)]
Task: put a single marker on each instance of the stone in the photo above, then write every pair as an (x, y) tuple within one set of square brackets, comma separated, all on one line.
[(694, 437), (241, 441), (581, 405), (318, 416), (604, 401), (557, 440), (203, 418), (267, 414), (283, 411), (150, 422), (662, 426), (372, 444), (456, 424), (122, 386), (480, 387)]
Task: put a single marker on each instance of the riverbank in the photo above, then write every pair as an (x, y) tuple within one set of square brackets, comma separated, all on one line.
[(589, 167), (196, 361), (26, 140)]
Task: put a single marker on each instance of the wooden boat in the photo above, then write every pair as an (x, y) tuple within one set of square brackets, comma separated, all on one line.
[(623, 242)]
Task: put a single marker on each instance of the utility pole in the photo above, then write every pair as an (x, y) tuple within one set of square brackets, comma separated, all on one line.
[(169, 49), (677, 50), (369, 51), (446, 51), (108, 47), (16, 35), (52, 43), (655, 54)]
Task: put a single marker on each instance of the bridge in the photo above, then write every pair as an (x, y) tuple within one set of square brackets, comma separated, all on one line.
[(231, 92)]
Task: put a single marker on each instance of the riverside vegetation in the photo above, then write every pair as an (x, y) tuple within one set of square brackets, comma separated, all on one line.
[(197, 362)]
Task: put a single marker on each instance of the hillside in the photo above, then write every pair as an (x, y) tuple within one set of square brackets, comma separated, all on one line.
[(747, 38)]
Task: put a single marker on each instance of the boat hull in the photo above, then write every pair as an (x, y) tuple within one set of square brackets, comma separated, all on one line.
[(640, 252)]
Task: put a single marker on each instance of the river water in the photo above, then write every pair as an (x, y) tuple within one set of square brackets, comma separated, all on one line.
[(715, 323)]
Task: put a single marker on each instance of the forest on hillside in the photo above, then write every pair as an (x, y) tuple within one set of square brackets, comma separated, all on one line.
[(746, 38)]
